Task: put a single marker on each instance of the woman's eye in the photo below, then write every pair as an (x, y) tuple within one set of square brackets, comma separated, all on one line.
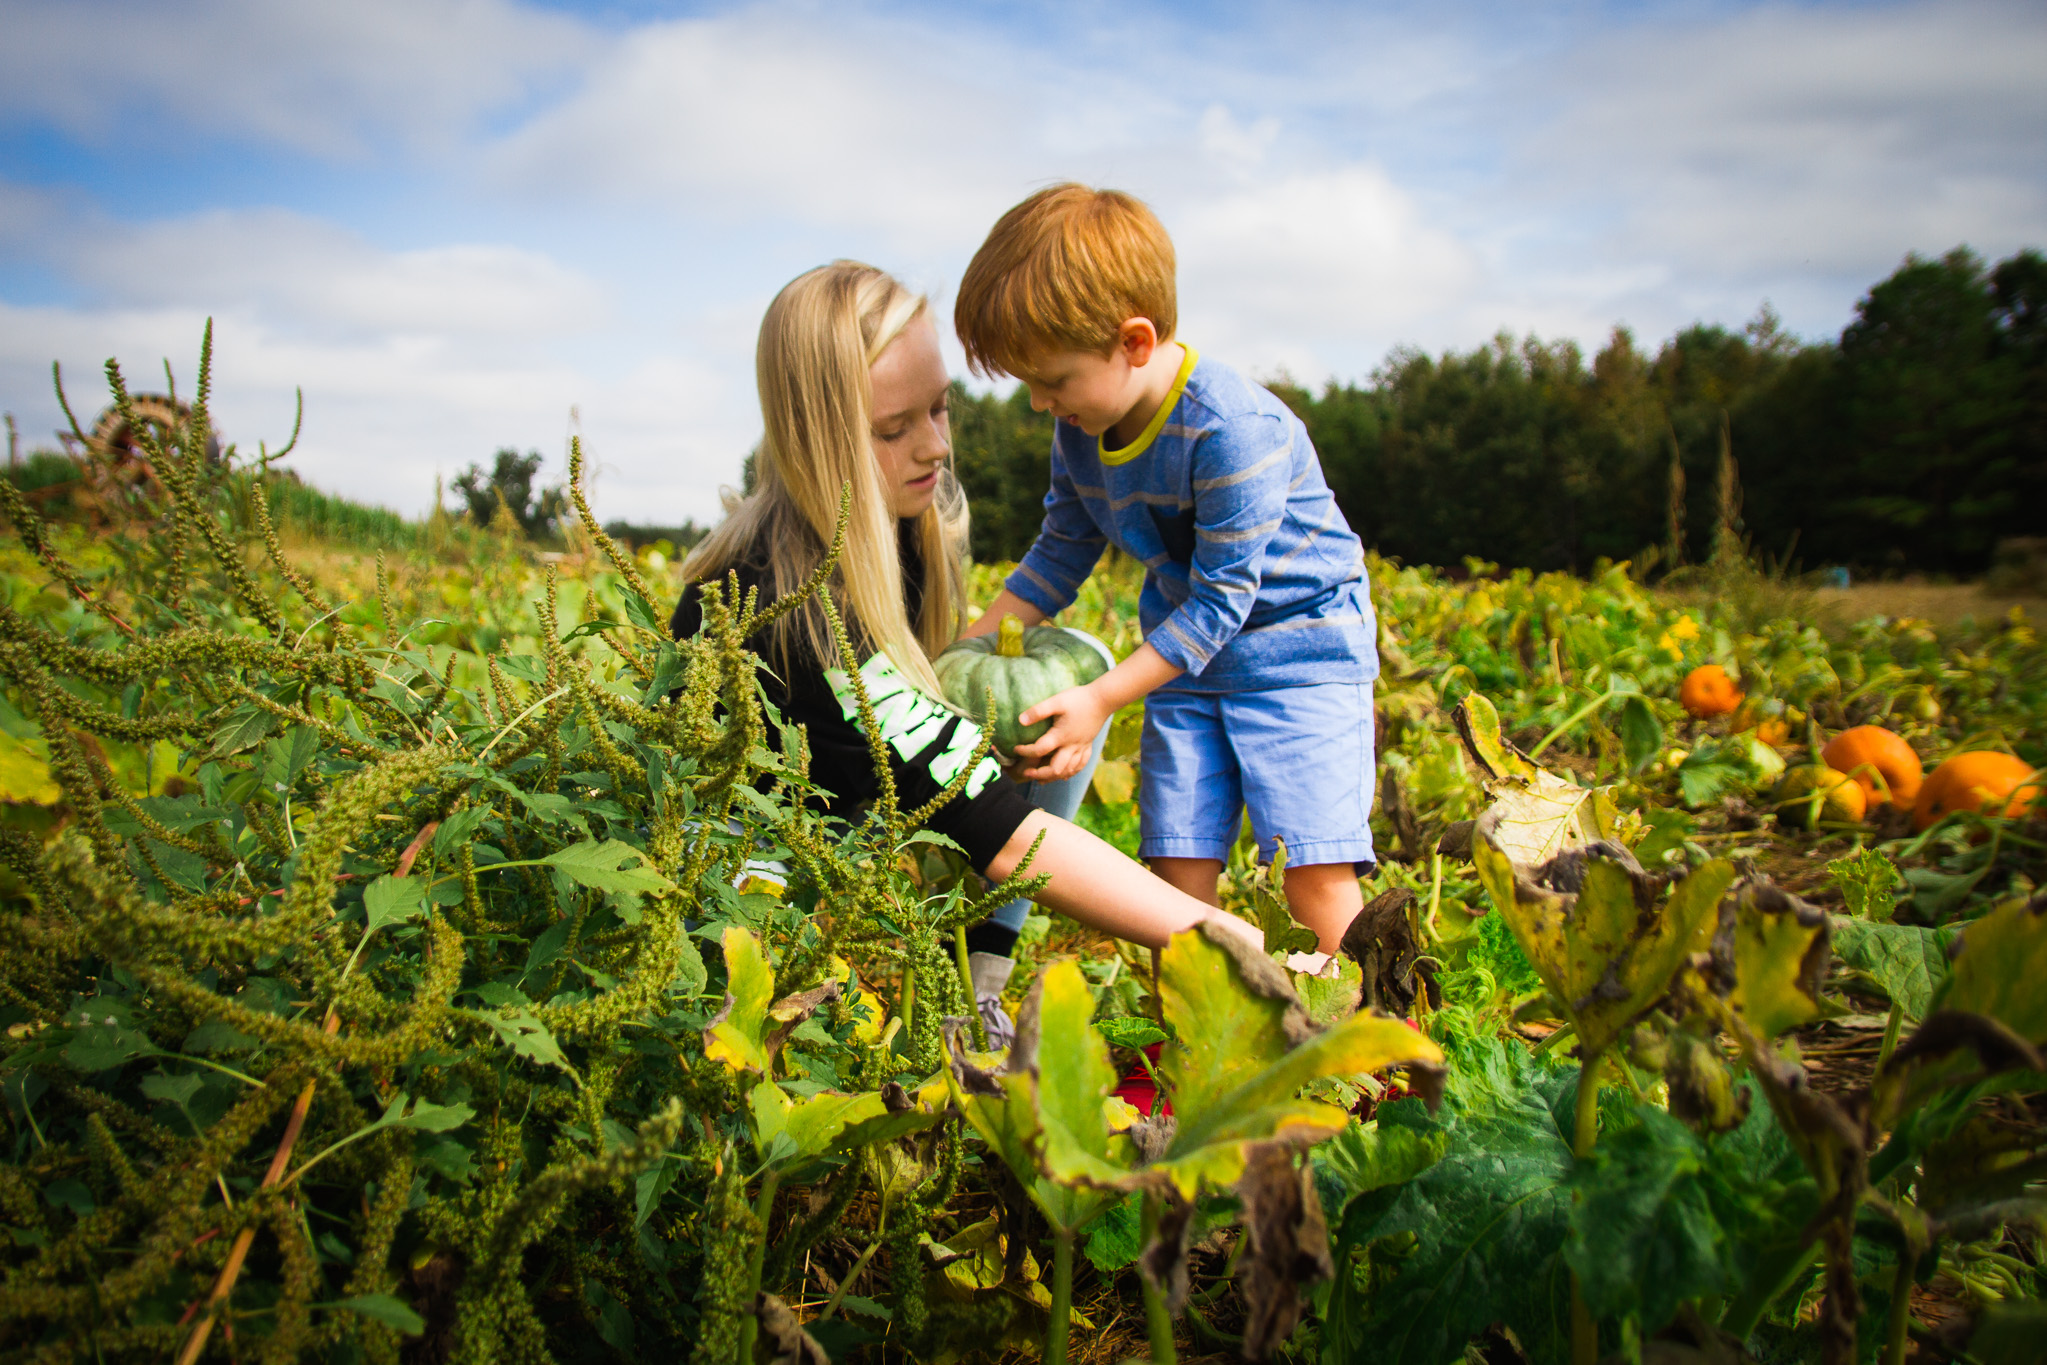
[(895, 435)]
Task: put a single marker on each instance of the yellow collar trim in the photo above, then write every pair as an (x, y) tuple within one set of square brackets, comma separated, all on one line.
[(1158, 419)]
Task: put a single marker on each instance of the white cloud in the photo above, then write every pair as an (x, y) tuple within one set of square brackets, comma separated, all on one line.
[(304, 276), (322, 78), (1798, 141), (1303, 272), (767, 116), (412, 361), (596, 214)]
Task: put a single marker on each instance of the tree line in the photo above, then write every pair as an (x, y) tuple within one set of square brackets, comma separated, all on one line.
[(1915, 441)]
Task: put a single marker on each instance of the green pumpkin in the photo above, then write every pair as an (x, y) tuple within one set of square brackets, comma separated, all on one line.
[(1022, 667)]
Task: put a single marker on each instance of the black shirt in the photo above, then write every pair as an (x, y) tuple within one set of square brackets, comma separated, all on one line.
[(840, 761)]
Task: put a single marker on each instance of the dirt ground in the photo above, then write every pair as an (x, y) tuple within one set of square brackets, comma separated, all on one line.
[(1944, 604)]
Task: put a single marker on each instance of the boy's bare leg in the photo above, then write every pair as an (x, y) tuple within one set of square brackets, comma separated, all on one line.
[(1325, 897), (1195, 876)]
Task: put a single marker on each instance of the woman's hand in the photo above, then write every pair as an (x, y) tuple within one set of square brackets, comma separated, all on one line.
[(1077, 715)]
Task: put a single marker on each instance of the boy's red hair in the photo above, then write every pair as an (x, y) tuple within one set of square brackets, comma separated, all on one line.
[(1063, 271)]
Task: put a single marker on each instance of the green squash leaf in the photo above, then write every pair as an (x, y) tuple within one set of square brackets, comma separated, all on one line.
[(1641, 733), (1643, 1235), (1780, 958), (735, 1035), (1865, 879), (1908, 960), (1998, 967), (1596, 949)]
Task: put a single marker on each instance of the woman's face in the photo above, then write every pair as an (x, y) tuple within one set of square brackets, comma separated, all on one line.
[(912, 431)]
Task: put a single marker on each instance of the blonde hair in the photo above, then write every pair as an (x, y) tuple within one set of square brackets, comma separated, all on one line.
[(818, 342), (1064, 270)]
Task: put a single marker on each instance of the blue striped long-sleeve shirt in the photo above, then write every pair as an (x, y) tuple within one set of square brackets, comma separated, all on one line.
[(1253, 579)]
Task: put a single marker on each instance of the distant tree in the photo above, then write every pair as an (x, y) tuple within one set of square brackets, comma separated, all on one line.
[(1002, 453), (1915, 441), (510, 480), (636, 534)]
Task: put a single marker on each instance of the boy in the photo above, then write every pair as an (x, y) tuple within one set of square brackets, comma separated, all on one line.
[(1259, 650)]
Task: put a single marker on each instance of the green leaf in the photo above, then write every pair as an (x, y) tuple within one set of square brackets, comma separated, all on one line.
[(458, 829), (104, 1035), (1598, 950), (1242, 1050), (668, 675), (641, 614), (247, 726), (1056, 1050), (736, 1034), (552, 808), (1643, 1235), (790, 1133), (519, 1030), (177, 1090), (524, 667), (601, 866), (1668, 831), (71, 1194), (1334, 992), (1998, 968), (1476, 1238), (927, 836), (1073, 1076), (649, 1187), (1780, 958), (1372, 1156), (181, 868), (1131, 1031), (424, 1116), (393, 900), (393, 1313), (1269, 903), (1536, 814), (1641, 733), (1908, 960), (1710, 771), (589, 628), (1865, 879), (1115, 1238)]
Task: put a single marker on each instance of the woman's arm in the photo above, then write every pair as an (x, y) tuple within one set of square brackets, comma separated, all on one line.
[(1097, 885), (1006, 603)]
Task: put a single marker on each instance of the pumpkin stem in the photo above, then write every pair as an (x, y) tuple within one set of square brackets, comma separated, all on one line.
[(1009, 638)]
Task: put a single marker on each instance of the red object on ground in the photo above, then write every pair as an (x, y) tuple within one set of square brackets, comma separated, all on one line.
[(1137, 1087)]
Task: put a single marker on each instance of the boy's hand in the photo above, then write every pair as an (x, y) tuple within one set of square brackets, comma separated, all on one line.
[(1077, 715)]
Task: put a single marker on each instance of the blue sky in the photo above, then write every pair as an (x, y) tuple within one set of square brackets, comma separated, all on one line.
[(454, 221)]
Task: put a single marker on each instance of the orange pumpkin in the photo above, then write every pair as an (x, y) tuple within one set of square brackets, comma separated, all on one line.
[(1974, 781), (1767, 718), (1882, 763), (1840, 798), (1708, 691)]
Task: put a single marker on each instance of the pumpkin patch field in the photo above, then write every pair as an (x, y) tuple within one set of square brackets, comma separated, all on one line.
[(425, 959)]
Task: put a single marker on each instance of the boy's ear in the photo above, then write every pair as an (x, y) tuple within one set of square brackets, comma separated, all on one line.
[(1137, 338)]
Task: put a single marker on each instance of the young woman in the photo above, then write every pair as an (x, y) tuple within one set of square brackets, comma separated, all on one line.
[(853, 392)]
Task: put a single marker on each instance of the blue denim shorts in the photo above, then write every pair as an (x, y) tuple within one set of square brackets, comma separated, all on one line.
[(1297, 759)]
